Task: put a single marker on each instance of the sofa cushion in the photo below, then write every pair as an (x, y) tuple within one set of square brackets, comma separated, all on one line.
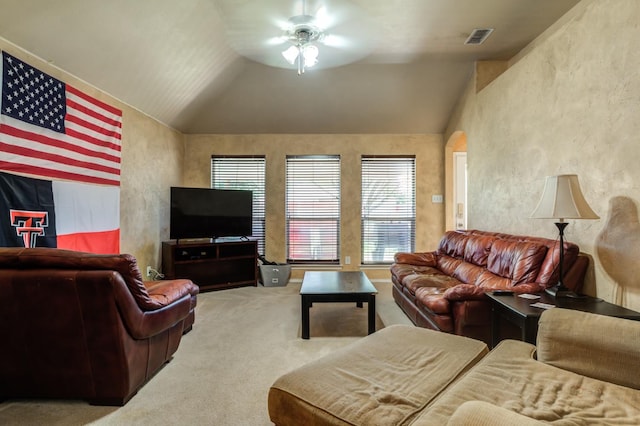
[(518, 261), (477, 249), (448, 264), (510, 377), (468, 273), (610, 355), (479, 413), (453, 244), (490, 281), (386, 378), (436, 280), (549, 271), (403, 270)]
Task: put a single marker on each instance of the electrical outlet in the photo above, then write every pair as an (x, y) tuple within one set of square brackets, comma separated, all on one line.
[(148, 271), (347, 260)]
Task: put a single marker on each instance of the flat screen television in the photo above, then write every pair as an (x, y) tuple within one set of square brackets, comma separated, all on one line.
[(210, 213)]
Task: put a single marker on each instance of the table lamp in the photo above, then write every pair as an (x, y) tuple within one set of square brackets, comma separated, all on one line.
[(562, 199)]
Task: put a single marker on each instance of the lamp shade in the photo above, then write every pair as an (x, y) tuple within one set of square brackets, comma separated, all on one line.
[(291, 54), (562, 199)]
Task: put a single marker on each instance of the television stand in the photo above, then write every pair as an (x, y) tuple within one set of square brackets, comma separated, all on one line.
[(212, 265)]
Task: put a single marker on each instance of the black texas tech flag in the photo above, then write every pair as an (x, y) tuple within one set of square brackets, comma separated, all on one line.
[(27, 215)]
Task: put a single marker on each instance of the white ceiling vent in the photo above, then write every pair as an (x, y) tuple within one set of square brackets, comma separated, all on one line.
[(478, 35)]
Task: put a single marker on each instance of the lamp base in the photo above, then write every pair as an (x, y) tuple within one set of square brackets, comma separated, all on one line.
[(560, 291)]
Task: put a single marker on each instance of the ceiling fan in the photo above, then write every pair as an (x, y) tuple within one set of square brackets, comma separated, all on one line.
[(299, 34)]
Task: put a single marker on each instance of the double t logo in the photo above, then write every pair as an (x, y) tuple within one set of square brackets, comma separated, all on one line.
[(29, 225)]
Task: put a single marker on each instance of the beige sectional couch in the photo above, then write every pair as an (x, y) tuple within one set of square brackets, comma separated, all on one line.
[(582, 371)]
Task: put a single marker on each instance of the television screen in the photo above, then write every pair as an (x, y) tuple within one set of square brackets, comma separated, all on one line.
[(210, 213)]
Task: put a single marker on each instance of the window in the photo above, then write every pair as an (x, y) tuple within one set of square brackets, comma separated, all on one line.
[(313, 209), (247, 173), (388, 207)]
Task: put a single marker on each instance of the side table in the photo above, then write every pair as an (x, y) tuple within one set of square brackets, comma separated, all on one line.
[(519, 312)]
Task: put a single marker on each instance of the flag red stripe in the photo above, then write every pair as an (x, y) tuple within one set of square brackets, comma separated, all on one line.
[(54, 173), (30, 136), (61, 159), (92, 140), (105, 242), (106, 107), (95, 114), (91, 126)]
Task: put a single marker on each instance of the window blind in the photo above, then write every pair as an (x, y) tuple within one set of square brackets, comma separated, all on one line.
[(388, 207), (246, 173), (313, 209)]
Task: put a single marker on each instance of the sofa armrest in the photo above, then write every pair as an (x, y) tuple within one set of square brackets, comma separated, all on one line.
[(597, 346), (419, 259), (464, 292), (523, 288), (474, 292), (480, 413)]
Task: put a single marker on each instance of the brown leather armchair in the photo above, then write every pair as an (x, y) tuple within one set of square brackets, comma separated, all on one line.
[(84, 326)]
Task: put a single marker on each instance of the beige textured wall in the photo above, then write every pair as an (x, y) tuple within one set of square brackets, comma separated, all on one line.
[(569, 104), (428, 149), (152, 160)]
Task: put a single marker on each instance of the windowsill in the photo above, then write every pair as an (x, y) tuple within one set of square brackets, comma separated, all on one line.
[(320, 266), (308, 266)]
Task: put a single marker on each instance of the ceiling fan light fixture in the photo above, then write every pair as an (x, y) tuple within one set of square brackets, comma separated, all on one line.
[(303, 33), (341, 31), (291, 54), (310, 53)]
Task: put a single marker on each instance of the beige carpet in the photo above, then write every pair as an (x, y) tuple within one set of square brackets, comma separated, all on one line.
[(338, 320), (243, 339)]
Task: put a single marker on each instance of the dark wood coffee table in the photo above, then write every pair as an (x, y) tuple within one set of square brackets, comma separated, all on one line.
[(518, 311), (337, 286)]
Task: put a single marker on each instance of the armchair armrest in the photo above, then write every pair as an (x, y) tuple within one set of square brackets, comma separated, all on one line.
[(176, 304), (419, 259), (597, 346), (480, 413)]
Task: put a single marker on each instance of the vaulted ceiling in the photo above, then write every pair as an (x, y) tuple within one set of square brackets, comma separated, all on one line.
[(199, 65)]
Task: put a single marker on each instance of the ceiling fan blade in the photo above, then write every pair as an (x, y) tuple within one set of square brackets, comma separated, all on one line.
[(276, 41), (324, 20), (334, 40)]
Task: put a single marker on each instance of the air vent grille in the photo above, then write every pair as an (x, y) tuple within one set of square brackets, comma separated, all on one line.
[(478, 35)]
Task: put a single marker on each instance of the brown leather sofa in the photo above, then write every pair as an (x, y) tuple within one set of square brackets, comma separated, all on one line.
[(85, 326), (445, 289)]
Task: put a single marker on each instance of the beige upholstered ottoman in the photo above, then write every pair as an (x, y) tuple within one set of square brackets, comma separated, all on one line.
[(386, 378)]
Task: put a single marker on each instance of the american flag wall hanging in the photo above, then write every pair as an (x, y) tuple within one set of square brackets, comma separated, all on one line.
[(60, 153)]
